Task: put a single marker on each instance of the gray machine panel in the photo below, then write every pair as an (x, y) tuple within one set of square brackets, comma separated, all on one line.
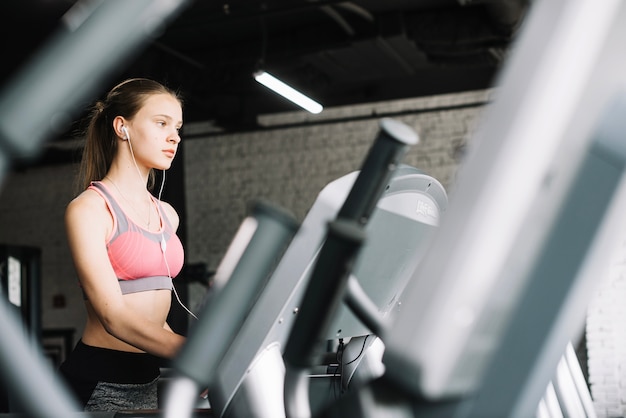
[(409, 209)]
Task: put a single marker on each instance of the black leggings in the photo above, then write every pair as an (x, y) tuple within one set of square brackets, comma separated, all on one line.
[(111, 380)]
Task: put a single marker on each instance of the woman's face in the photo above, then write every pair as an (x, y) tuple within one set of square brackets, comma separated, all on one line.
[(154, 131)]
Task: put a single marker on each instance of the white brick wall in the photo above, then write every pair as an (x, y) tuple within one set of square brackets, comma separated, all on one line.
[(606, 340), (290, 165)]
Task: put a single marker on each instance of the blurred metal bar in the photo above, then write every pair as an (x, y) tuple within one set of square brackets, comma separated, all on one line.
[(258, 245), (24, 368), (383, 158), (553, 303), (332, 269), (325, 289), (98, 37), (525, 155)]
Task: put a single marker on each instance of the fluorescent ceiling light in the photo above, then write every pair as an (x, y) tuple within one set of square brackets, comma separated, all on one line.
[(287, 92)]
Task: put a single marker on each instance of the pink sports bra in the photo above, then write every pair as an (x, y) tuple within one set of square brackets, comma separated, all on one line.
[(142, 260)]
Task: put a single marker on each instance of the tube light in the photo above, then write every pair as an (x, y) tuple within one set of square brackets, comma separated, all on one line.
[(287, 92)]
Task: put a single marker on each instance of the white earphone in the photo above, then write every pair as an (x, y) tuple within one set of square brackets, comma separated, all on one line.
[(127, 136), (163, 243)]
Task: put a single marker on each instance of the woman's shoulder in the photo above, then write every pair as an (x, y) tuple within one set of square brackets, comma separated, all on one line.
[(88, 214), (88, 204)]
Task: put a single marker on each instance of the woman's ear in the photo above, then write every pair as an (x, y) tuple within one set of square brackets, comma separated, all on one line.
[(120, 128)]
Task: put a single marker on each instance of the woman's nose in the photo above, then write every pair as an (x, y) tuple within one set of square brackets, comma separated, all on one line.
[(175, 137)]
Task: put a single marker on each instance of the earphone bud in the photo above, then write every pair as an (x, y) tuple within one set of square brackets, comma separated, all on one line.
[(127, 136)]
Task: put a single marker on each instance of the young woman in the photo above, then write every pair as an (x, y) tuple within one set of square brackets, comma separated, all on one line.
[(125, 249)]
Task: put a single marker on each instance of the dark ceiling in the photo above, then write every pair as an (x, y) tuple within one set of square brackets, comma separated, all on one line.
[(338, 52)]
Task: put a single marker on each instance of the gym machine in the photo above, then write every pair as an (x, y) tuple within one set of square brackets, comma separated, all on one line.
[(404, 205), (533, 219)]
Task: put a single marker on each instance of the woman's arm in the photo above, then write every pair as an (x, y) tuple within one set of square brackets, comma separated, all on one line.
[(88, 223)]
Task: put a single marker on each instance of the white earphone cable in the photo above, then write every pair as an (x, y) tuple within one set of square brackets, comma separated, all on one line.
[(163, 242), (164, 248), (132, 153)]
